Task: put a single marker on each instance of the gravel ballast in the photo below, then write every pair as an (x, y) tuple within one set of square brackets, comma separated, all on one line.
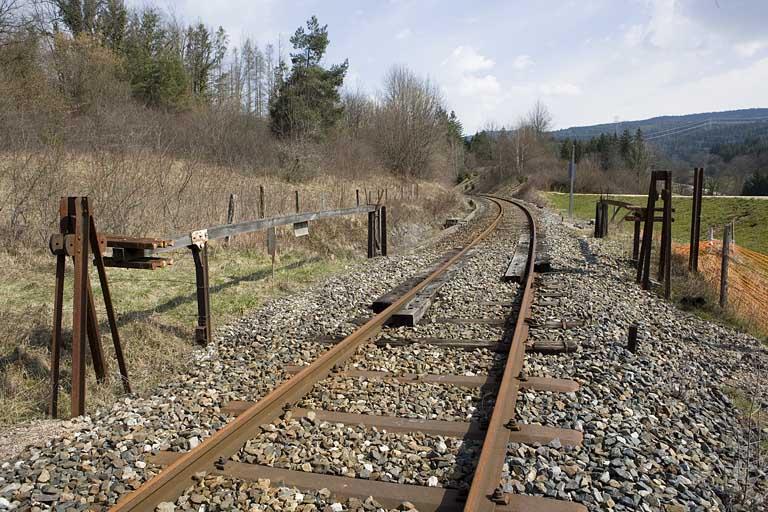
[(660, 433)]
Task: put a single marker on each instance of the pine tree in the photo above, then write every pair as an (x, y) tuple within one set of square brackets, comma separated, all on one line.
[(156, 71), (307, 102)]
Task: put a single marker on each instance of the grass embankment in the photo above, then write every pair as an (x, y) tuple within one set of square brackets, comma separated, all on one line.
[(157, 313), (157, 310), (751, 216)]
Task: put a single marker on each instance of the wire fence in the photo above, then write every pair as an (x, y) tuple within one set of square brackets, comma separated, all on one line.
[(747, 277)]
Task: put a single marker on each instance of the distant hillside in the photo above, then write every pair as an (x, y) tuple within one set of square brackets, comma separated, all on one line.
[(685, 138)]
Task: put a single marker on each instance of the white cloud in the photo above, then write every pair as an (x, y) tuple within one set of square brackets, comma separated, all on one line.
[(559, 89), (522, 62), (403, 34), (749, 49), (487, 85), (465, 59)]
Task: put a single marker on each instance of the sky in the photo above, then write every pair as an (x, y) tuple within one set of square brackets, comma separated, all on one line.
[(589, 61)]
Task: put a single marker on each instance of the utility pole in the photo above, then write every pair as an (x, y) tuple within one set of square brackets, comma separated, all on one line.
[(572, 177)]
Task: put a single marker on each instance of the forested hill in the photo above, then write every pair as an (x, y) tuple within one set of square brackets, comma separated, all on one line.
[(683, 138), (659, 125)]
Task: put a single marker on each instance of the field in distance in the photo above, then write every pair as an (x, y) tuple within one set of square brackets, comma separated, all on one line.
[(750, 214)]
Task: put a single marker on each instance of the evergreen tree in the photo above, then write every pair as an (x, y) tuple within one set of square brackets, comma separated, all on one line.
[(199, 59), (625, 142), (756, 185), (156, 72), (307, 102)]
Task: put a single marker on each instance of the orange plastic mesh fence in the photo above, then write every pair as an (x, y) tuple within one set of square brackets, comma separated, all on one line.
[(747, 277)]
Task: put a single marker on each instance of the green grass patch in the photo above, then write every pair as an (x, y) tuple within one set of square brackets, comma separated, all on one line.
[(156, 310), (751, 215)]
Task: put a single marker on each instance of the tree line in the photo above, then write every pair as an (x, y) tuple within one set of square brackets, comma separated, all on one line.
[(89, 63)]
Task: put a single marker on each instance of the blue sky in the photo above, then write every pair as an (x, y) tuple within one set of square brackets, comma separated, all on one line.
[(589, 61)]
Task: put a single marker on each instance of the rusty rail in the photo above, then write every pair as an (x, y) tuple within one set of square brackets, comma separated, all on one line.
[(485, 493), (171, 482)]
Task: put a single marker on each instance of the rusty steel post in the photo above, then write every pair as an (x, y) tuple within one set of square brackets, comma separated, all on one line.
[(604, 219), (94, 339), (632, 339), (203, 330), (636, 240), (598, 211), (79, 306), (667, 240), (724, 265), (383, 230), (297, 201), (371, 234), (111, 318), (644, 269), (357, 196), (58, 299), (698, 193), (262, 206)]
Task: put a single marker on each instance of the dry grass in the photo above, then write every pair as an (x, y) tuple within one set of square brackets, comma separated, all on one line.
[(144, 194)]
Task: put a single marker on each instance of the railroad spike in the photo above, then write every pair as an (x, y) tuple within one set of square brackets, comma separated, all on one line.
[(512, 425), (523, 376)]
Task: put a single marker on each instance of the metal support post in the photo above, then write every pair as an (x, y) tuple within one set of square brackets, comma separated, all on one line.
[(666, 238), (698, 192), (636, 240), (98, 259), (79, 306), (603, 219), (598, 212), (371, 234), (644, 266), (383, 230), (632, 339), (203, 330), (724, 265)]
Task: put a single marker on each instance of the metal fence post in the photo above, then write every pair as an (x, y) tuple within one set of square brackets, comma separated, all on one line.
[(698, 183), (383, 230), (724, 265), (636, 240), (203, 330), (230, 214), (79, 308), (371, 227), (598, 211)]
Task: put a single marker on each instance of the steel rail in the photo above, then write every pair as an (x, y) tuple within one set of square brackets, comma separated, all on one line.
[(172, 481), (484, 493)]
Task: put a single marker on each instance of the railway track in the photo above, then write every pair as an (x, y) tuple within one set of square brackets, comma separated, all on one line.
[(495, 426)]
